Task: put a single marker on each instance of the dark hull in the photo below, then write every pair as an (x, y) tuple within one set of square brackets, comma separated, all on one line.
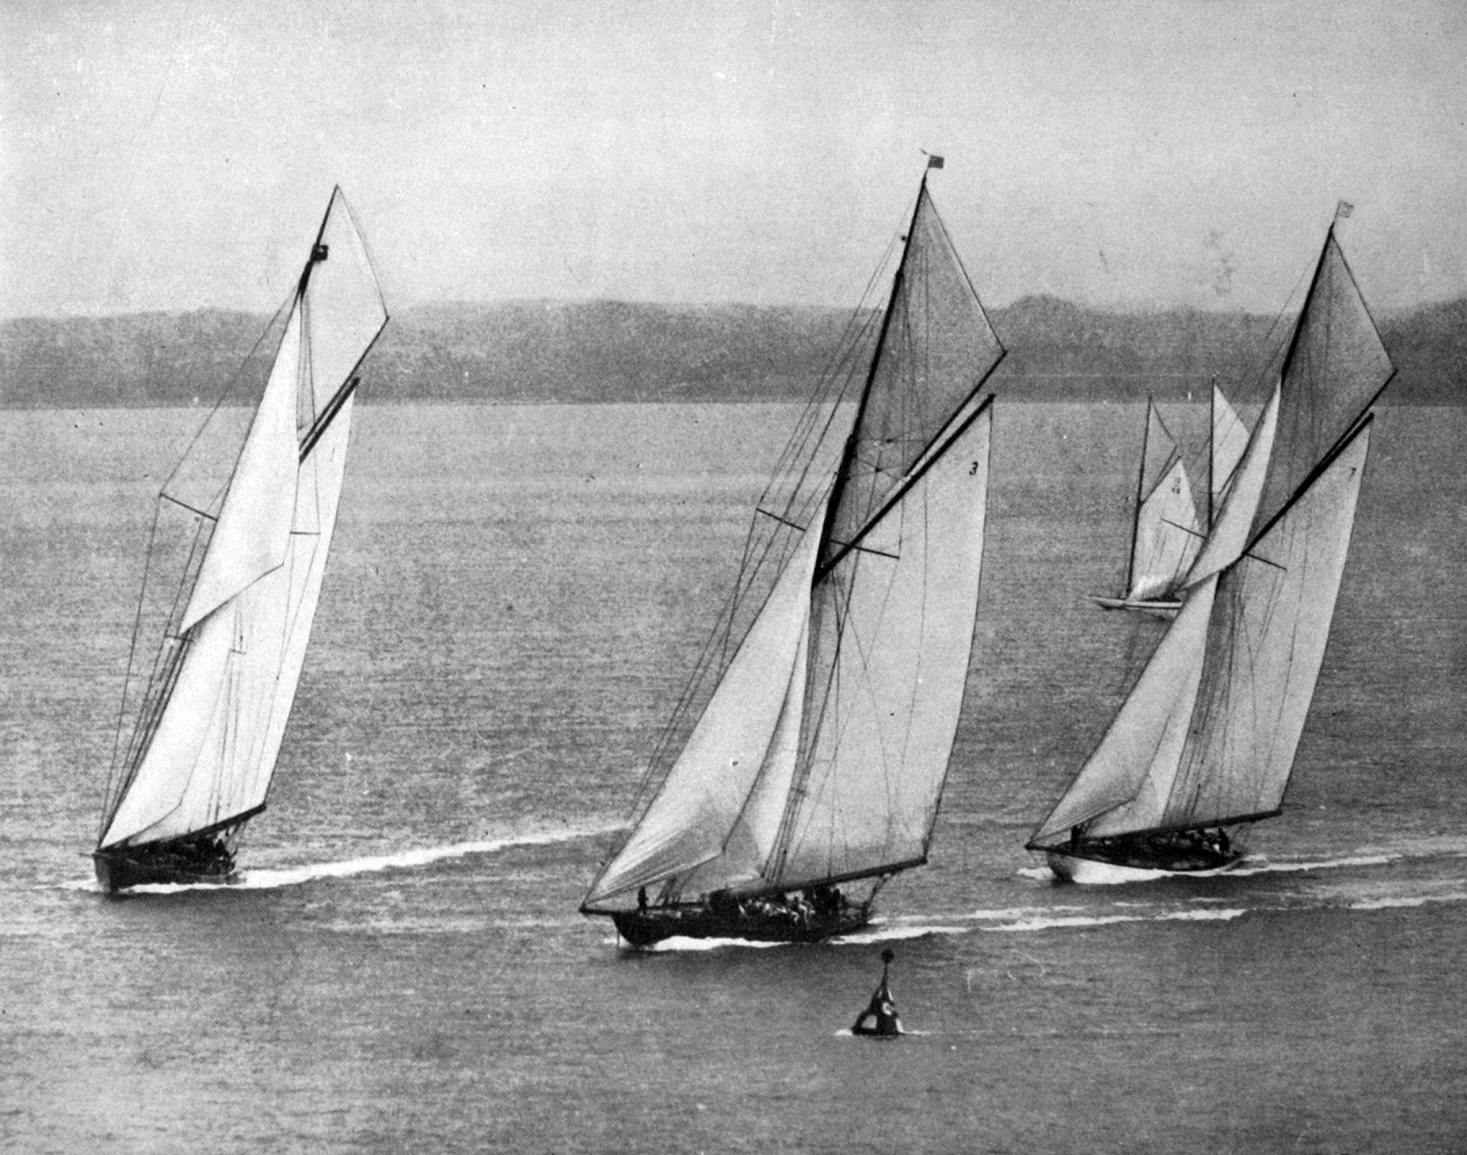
[(180, 863), (643, 928)]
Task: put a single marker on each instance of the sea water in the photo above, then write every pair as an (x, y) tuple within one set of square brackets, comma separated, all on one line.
[(515, 597)]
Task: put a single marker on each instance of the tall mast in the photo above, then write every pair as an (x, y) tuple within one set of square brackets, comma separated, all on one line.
[(1140, 487), (848, 452)]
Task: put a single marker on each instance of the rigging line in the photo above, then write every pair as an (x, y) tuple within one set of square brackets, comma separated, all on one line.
[(127, 678), (361, 237), (848, 451), (720, 637), (847, 348), (187, 506), (154, 693), (224, 393), (792, 524), (963, 269), (1183, 528), (1140, 485)]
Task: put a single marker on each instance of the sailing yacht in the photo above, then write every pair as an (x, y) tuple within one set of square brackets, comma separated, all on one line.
[(814, 766), (1164, 533), (1205, 741), (234, 574)]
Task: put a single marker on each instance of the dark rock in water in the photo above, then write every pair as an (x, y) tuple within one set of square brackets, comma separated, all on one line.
[(880, 1017)]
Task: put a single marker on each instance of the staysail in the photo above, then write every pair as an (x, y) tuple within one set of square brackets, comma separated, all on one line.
[(1208, 734), (822, 753), (204, 742), (1166, 536)]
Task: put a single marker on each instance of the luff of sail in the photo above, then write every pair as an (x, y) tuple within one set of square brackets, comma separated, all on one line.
[(206, 745), (1229, 440), (864, 643), (1166, 537), (1209, 732)]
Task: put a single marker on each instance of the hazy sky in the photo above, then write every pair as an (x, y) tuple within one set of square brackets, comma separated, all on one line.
[(173, 155)]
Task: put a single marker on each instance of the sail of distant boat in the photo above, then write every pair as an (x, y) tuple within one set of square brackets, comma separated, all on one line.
[(1229, 440), (819, 757), (1206, 738), (247, 558), (1165, 535)]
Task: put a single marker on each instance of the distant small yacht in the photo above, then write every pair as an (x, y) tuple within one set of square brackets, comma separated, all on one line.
[(1206, 739), (234, 574), (1165, 534)]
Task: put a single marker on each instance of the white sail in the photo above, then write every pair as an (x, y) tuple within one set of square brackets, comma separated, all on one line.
[(1229, 440), (888, 671), (1270, 624), (1144, 740), (254, 524), (1167, 535), (704, 794), (1233, 523), (220, 719)]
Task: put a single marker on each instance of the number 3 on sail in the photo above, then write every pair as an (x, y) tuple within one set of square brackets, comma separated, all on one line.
[(1206, 739), (233, 575), (821, 719)]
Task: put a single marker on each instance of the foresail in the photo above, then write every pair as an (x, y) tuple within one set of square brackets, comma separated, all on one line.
[(1229, 440), (891, 636), (1266, 643), (249, 539), (1126, 781), (936, 350), (1232, 525), (699, 804)]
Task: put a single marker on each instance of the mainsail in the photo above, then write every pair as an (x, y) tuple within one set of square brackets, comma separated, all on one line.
[(1208, 734), (821, 755), (1166, 536), (212, 715)]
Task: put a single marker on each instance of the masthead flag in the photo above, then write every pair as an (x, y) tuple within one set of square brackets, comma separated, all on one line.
[(934, 161), (1343, 210)]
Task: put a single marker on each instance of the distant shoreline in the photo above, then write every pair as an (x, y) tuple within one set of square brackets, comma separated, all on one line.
[(543, 352)]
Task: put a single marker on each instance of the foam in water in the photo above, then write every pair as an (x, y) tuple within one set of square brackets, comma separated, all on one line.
[(693, 945), (1063, 922), (272, 878), (1406, 901)]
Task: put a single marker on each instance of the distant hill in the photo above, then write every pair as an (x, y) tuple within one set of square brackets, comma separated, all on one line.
[(618, 351)]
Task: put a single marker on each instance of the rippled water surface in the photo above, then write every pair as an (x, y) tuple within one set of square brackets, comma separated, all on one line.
[(514, 599)]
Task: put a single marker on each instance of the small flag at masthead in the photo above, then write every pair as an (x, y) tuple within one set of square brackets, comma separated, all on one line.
[(1343, 210), (934, 161)]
